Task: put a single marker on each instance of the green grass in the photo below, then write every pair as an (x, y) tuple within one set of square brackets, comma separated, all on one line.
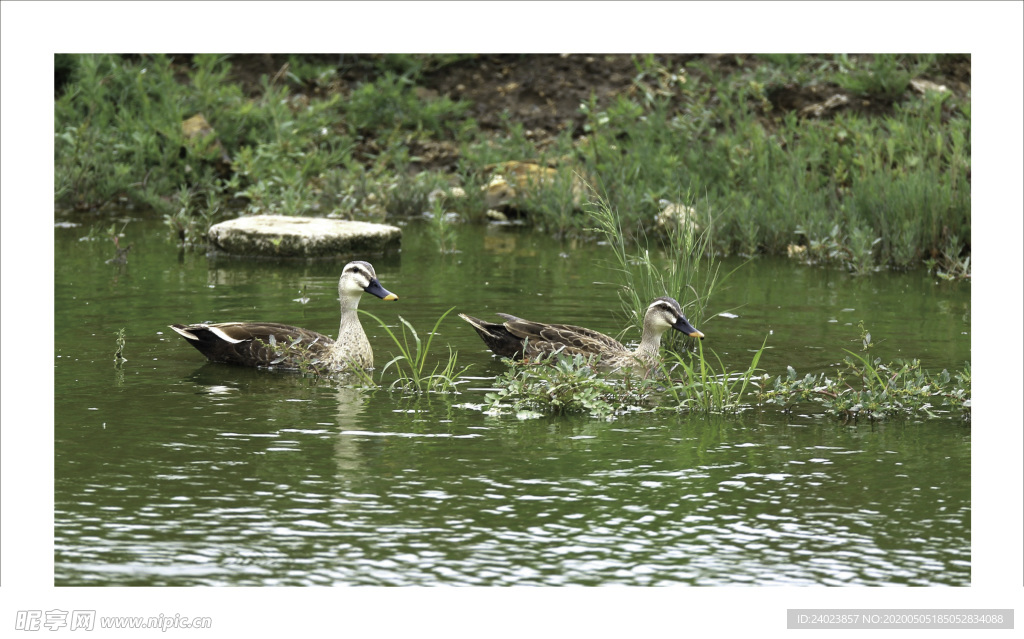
[(885, 76), (698, 385), (859, 191), (678, 263), (415, 368)]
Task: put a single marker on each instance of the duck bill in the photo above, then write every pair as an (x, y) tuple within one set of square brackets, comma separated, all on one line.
[(684, 326), (376, 289)]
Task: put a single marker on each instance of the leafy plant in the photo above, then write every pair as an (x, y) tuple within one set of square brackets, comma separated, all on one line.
[(119, 353), (687, 271), (560, 385), (441, 223), (118, 132), (703, 387), (388, 104), (886, 76), (885, 389), (411, 364)]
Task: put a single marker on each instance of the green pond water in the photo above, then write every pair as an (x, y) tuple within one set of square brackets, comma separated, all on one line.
[(173, 471)]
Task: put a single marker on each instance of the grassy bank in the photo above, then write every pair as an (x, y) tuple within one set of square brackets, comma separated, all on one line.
[(771, 155)]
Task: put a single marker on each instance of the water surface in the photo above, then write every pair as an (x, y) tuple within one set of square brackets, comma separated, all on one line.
[(172, 471)]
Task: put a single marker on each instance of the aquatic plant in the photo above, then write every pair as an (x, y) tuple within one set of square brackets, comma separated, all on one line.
[(948, 264), (561, 385), (191, 222), (411, 364), (686, 270), (899, 388), (854, 253), (700, 386), (442, 223), (119, 357)]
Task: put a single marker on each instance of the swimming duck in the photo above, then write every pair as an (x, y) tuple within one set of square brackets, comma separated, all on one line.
[(516, 337), (267, 344)]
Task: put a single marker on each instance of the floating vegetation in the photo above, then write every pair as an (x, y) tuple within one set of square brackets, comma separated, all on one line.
[(862, 387), (560, 384), (119, 357), (900, 388), (563, 385), (865, 386)]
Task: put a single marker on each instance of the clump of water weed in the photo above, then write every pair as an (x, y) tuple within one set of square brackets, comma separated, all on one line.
[(411, 363), (865, 386), (119, 357), (559, 384), (701, 386), (564, 385), (949, 264)]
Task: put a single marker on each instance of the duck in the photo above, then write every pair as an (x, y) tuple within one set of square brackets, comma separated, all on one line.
[(270, 345), (517, 338)]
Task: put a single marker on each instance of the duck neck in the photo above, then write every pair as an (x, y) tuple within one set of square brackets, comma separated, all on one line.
[(650, 342), (350, 327)]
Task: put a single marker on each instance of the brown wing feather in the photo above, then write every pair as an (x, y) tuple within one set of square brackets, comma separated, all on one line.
[(257, 343), (517, 337), (263, 331), (546, 338)]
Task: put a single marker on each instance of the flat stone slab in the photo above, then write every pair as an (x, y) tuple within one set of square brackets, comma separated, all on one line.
[(287, 236)]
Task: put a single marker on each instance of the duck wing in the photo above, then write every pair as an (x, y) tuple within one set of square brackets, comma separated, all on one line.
[(255, 343), (542, 339)]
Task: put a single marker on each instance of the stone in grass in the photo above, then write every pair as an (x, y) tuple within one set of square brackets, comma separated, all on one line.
[(310, 237)]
